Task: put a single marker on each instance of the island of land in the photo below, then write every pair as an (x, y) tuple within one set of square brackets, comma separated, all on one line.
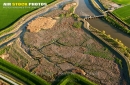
[(57, 45)]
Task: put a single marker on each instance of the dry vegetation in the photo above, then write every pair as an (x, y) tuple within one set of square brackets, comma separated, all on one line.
[(50, 52), (64, 48)]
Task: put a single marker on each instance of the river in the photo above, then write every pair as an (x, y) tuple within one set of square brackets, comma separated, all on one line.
[(85, 8)]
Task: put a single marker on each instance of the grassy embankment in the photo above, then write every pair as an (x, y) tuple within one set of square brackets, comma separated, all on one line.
[(21, 74), (123, 2), (10, 15), (72, 79), (123, 13), (115, 44), (32, 79)]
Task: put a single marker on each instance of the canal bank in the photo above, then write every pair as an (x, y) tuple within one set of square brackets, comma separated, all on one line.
[(88, 9), (103, 25)]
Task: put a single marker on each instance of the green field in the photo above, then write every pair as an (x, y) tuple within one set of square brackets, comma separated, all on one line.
[(123, 2), (9, 15), (123, 13), (31, 79), (72, 79), (21, 74)]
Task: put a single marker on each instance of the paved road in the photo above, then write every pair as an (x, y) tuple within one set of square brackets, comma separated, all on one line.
[(7, 79), (9, 76)]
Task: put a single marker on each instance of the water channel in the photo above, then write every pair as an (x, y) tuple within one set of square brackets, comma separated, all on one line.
[(85, 8)]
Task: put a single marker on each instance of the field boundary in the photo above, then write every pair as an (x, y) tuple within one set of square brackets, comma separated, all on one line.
[(119, 20), (25, 18), (21, 74)]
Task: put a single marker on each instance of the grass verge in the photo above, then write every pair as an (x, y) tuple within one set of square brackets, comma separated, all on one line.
[(23, 75), (73, 79), (9, 15), (123, 13), (123, 2)]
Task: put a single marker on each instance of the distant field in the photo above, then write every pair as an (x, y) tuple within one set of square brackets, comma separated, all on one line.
[(122, 1), (10, 15), (123, 13)]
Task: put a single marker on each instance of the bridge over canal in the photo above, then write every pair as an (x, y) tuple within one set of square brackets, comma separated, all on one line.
[(93, 17)]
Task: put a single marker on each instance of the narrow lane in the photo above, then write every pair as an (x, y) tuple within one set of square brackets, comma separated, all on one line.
[(9, 76), (7, 79)]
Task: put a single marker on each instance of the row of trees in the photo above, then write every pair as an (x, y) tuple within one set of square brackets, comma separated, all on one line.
[(117, 44)]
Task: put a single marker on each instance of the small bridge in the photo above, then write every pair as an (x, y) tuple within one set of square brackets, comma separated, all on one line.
[(93, 17)]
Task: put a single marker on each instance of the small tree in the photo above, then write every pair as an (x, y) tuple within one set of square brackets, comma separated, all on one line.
[(77, 24), (71, 10), (67, 15), (103, 32), (75, 16), (61, 15), (109, 36), (119, 61)]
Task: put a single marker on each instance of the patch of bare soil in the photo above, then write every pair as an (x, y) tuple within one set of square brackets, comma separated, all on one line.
[(41, 23)]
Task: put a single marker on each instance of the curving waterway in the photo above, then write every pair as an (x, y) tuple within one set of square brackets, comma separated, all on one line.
[(85, 8)]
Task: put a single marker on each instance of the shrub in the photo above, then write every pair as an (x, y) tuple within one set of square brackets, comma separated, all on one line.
[(71, 10), (4, 50), (61, 15), (75, 16), (128, 49), (118, 61), (127, 54), (67, 14), (77, 24)]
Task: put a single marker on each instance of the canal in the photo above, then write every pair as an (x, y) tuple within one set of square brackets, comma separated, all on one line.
[(85, 8)]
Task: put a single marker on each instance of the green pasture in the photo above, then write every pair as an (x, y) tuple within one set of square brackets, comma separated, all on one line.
[(123, 13), (72, 79), (9, 15), (123, 2), (21, 74)]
